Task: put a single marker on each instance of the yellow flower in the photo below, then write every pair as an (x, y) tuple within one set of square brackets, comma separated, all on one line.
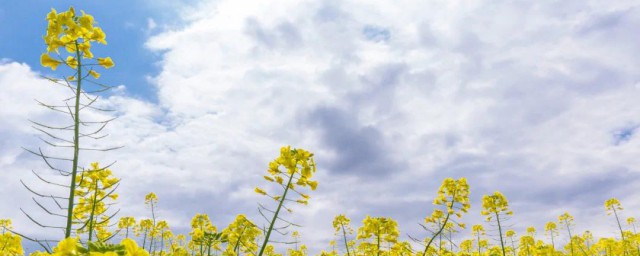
[(151, 198), (132, 248), (340, 222), (68, 246), (72, 62), (494, 205), (47, 61), (612, 205), (103, 254), (105, 62), (86, 21), (98, 35), (260, 191)]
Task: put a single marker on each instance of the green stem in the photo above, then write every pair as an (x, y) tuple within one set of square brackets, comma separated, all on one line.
[(236, 247), (76, 145), (570, 238), (436, 235), (275, 216), (479, 251), (504, 253), (93, 211), (162, 242), (144, 240), (439, 231), (344, 235), (621, 233), (513, 246), (153, 216), (378, 239)]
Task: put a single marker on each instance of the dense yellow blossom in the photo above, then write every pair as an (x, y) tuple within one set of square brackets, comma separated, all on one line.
[(241, 235), (75, 34), (94, 186)]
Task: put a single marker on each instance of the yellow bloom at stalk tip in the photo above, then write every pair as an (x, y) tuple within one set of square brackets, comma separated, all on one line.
[(612, 205), (510, 233), (150, 198), (47, 61), (75, 34), (342, 222), (105, 62), (495, 204)]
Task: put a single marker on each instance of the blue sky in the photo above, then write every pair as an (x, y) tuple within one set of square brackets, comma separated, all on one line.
[(535, 99), (25, 24)]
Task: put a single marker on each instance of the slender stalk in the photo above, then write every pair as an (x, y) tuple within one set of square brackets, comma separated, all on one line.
[(479, 251), (570, 238), (435, 235), (162, 242), (275, 216), (344, 235), (615, 213), (93, 211), (504, 253), (378, 243), (441, 228), (440, 242), (513, 245), (76, 144), (636, 233), (153, 216), (236, 247), (144, 239)]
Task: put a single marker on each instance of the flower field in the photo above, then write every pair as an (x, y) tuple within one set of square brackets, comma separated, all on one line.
[(92, 227)]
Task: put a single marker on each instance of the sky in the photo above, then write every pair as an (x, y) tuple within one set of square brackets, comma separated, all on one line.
[(536, 99)]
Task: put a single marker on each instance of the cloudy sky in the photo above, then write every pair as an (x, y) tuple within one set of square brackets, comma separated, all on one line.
[(537, 99)]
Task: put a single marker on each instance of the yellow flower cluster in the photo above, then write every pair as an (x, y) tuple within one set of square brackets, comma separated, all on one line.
[(299, 168), (612, 205), (453, 195), (10, 244), (150, 199), (94, 186), (298, 252), (75, 34), (241, 235), (565, 219), (384, 228), (341, 222), (72, 246), (200, 226), (494, 205), (376, 230), (126, 223)]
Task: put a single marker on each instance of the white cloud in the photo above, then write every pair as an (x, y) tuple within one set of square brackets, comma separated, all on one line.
[(526, 98)]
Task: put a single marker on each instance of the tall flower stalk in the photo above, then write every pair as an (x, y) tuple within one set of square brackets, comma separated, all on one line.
[(75, 33), (496, 207), (298, 167), (567, 220), (453, 197), (341, 223), (612, 206)]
